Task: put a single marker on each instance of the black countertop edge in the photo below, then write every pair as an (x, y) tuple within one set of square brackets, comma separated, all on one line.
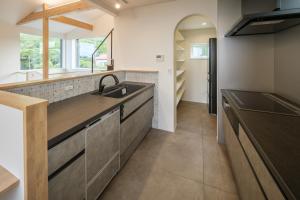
[(264, 157), (69, 133), (73, 131)]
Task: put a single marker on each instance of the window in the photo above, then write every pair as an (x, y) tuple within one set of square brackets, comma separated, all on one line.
[(32, 52), (199, 51), (85, 49)]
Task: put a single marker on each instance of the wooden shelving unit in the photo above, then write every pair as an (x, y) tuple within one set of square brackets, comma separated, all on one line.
[(180, 71)]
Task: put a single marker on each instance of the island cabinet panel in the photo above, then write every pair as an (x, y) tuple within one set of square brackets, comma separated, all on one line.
[(70, 182), (135, 102), (246, 181), (65, 151), (135, 128), (66, 169), (266, 180), (102, 153)]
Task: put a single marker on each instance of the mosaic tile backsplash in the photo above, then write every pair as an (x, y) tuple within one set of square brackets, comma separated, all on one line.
[(64, 89)]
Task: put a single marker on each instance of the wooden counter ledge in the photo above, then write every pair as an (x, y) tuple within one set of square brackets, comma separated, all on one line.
[(8, 180)]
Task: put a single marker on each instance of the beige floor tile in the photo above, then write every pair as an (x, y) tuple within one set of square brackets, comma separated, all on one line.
[(211, 193), (185, 165), (181, 161), (217, 172)]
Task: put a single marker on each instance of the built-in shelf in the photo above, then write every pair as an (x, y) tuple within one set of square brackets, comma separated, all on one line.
[(179, 84), (179, 48), (179, 57), (178, 36), (179, 73), (179, 95)]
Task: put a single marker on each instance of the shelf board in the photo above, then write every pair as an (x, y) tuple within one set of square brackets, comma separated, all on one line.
[(179, 84), (180, 60), (8, 180), (179, 48), (179, 96), (179, 72), (179, 36)]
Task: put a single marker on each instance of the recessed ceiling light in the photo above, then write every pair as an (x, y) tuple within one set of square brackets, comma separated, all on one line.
[(204, 23), (117, 6)]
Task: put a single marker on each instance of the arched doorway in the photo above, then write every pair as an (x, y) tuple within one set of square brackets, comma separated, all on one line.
[(195, 58)]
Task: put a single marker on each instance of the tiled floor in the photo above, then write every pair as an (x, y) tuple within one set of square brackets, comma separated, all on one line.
[(187, 165)]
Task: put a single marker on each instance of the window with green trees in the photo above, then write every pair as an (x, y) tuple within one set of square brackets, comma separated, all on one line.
[(32, 52), (85, 49)]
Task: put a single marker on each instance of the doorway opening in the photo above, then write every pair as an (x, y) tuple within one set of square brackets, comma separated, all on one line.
[(195, 63)]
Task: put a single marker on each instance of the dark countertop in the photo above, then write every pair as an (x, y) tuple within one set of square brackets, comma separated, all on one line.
[(276, 138), (72, 115)]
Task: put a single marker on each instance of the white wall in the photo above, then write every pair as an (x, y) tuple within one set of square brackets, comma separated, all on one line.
[(144, 32), (102, 26), (245, 63), (196, 83), (287, 64), (12, 142), (9, 48)]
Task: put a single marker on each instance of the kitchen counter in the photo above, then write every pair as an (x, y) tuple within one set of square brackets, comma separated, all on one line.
[(276, 138), (8, 180), (72, 115)]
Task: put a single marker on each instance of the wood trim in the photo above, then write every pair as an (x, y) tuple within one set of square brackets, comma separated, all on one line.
[(35, 151), (35, 142), (73, 22), (18, 101), (8, 180), (59, 10), (45, 42)]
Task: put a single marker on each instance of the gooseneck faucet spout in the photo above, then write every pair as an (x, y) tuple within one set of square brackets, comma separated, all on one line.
[(101, 86)]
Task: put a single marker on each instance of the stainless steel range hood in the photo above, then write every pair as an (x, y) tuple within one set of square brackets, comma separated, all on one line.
[(286, 14)]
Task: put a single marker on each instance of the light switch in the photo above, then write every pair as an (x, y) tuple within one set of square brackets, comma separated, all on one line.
[(160, 58)]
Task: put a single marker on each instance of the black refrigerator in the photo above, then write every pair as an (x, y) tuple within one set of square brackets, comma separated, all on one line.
[(212, 76)]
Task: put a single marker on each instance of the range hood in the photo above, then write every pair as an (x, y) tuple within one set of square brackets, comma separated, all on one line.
[(285, 14)]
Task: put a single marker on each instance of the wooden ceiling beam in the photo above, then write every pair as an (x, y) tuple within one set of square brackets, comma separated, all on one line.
[(59, 10), (73, 22)]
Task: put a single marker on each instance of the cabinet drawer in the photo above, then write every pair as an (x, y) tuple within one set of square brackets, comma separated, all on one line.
[(134, 125), (65, 151), (102, 179), (102, 143), (134, 129), (137, 101), (69, 183), (266, 180), (246, 181)]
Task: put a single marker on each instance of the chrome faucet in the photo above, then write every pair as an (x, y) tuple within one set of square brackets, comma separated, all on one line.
[(101, 86)]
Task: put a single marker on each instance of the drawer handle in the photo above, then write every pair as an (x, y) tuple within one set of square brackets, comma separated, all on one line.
[(67, 164)]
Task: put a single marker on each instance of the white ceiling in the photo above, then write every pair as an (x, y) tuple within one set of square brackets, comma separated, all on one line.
[(11, 11), (129, 4), (88, 16), (195, 22)]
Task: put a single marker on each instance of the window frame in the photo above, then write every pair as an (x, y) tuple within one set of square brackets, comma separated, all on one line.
[(77, 52), (201, 45), (62, 59)]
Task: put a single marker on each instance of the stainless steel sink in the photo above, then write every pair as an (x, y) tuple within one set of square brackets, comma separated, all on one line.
[(120, 90)]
